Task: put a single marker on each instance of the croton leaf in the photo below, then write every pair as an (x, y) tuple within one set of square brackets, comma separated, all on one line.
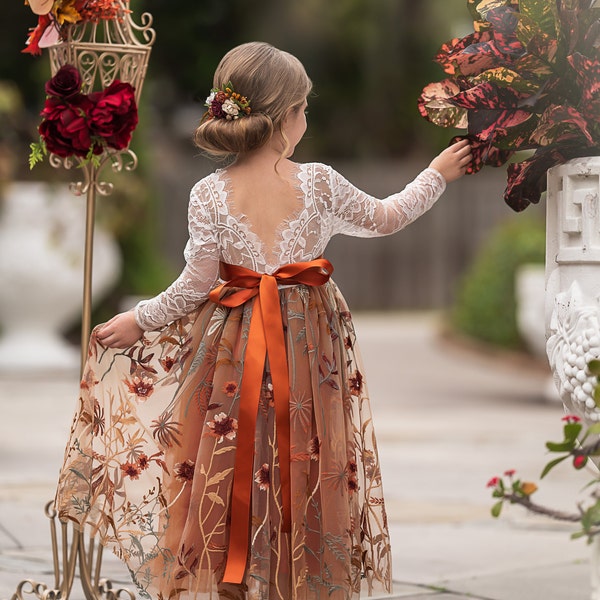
[(560, 124), (480, 8), (544, 47), (588, 76), (493, 126), (532, 67), (435, 106), (469, 55), (487, 96), (504, 23), (591, 39), (505, 77), (527, 180), (542, 12), (483, 153)]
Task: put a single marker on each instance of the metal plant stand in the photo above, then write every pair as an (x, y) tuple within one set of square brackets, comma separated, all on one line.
[(102, 52)]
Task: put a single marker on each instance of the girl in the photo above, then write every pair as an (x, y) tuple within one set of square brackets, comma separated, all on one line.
[(224, 443)]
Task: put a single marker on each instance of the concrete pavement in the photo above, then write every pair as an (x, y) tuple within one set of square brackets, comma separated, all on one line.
[(447, 419)]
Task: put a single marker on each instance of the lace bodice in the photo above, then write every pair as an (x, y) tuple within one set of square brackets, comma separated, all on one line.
[(329, 205)]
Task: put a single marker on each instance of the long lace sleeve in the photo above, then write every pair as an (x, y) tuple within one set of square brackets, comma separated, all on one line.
[(359, 214), (198, 277)]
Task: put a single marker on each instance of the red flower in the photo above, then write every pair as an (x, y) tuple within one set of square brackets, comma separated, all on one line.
[(64, 128), (493, 482), (230, 388), (65, 84), (114, 114), (131, 469), (571, 419), (510, 472), (143, 462), (167, 363), (579, 461), (185, 471), (142, 387)]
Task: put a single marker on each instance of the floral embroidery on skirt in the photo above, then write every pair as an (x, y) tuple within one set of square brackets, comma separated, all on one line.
[(149, 464)]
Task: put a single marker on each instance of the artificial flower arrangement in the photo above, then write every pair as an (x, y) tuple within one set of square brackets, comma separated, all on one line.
[(84, 125), (527, 78), (75, 123), (54, 17)]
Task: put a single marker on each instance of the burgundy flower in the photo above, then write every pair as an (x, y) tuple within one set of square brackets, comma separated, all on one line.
[(65, 84), (263, 477), (185, 471), (64, 128), (314, 447), (223, 427), (356, 383), (143, 462), (114, 115), (167, 363)]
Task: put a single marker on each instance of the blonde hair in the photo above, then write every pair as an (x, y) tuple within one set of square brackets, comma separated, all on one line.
[(274, 82)]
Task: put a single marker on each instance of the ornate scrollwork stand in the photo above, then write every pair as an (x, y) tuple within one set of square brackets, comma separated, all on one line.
[(103, 52)]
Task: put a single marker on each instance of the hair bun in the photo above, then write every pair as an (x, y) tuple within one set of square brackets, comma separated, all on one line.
[(221, 137)]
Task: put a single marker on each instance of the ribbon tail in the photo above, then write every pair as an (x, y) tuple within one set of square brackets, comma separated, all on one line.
[(277, 353), (239, 531)]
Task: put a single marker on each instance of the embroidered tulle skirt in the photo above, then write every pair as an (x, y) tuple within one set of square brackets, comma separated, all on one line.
[(149, 464)]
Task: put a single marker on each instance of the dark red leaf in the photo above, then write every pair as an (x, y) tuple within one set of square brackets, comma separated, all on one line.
[(494, 125), (483, 154), (527, 179), (560, 124), (487, 96), (588, 75)]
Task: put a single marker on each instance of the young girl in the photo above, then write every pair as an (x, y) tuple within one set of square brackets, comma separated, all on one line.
[(223, 444)]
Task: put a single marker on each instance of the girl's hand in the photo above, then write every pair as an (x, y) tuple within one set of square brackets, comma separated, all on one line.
[(121, 331), (452, 163)]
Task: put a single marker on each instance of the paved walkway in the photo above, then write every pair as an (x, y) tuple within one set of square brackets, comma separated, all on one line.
[(447, 420)]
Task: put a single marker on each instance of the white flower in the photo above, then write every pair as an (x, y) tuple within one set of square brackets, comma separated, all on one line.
[(230, 108), (211, 97)]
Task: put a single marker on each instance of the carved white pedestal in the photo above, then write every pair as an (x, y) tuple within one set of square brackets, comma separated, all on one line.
[(573, 292)]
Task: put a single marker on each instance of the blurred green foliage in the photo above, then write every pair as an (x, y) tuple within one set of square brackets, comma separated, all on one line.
[(485, 308)]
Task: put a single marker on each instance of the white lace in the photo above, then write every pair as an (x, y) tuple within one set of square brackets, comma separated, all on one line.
[(331, 205)]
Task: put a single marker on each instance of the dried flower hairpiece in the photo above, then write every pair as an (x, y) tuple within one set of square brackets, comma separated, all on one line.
[(224, 103)]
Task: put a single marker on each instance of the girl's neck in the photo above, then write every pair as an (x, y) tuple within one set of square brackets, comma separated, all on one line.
[(263, 159)]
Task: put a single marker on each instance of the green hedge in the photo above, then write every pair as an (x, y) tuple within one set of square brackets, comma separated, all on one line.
[(485, 306)]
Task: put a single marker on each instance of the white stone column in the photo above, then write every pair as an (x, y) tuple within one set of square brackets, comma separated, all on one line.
[(573, 291)]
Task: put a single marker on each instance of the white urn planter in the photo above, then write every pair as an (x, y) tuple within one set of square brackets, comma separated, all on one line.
[(572, 312), (42, 238)]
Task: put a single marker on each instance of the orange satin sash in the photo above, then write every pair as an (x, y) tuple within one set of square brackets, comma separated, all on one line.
[(265, 339)]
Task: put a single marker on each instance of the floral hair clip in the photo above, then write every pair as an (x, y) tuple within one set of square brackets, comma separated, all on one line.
[(224, 103)]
